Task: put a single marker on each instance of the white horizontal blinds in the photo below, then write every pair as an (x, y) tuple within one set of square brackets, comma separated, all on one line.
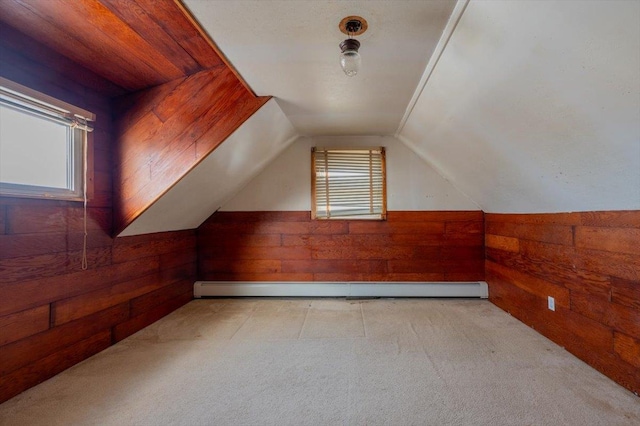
[(349, 183), (42, 109)]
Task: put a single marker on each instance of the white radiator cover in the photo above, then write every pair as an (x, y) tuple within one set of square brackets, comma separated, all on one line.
[(340, 289)]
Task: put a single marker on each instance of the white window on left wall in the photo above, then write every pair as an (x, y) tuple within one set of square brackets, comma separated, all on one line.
[(43, 145)]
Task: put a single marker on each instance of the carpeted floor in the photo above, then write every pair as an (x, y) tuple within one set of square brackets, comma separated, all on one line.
[(330, 362)]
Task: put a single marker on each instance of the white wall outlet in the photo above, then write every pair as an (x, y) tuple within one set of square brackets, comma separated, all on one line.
[(552, 303)]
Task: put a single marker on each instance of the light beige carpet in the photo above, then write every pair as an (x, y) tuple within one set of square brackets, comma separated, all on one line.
[(330, 362)]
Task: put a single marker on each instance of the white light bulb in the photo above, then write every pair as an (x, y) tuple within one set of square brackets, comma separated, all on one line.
[(350, 62)]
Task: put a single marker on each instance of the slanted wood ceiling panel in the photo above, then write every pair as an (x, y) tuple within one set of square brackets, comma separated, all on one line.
[(165, 131), (133, 43)]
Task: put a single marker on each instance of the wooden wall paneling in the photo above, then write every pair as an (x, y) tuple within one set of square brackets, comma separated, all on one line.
[(627, 348), (289, 246), (147, 302), (597, 271), (142, 17), (45, 31), (621, 219), (29, 350), (625, 292), (227, 124), (617, 317), (32, 374), (185, 31), (22, 57), (616, 240), (22, 324), (147, 42), (137, 323), (53, 314), (60, 285), (86, 304), (3, 220), (159, 131)]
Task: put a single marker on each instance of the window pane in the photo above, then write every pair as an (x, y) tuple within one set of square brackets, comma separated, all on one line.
[(349, 184), (33, 150)]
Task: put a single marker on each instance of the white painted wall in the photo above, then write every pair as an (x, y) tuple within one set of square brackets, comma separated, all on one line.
[(534, 106), (285, 185), (228, 168)]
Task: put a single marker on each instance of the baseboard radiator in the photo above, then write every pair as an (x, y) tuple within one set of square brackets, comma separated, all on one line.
[(339, 289)]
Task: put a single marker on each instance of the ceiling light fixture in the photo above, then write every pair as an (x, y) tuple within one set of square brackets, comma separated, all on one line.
[(350, 60)]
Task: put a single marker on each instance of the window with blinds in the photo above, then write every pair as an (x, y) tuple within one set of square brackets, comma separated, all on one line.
[(43, 145), (348, 184)]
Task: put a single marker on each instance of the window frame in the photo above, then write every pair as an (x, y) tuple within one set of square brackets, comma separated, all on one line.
[(378, 217), (79, 142)]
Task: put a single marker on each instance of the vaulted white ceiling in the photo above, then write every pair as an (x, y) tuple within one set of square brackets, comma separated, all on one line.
[(289, 49), (526, 106)]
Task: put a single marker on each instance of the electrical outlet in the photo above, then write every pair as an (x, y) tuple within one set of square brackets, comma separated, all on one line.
[(552, 303)]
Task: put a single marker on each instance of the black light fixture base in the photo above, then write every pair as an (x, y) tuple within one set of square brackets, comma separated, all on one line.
[(350, 44)]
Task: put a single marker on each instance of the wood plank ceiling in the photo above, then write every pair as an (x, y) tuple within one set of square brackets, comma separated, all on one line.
[(188, 99), (135, 44)]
